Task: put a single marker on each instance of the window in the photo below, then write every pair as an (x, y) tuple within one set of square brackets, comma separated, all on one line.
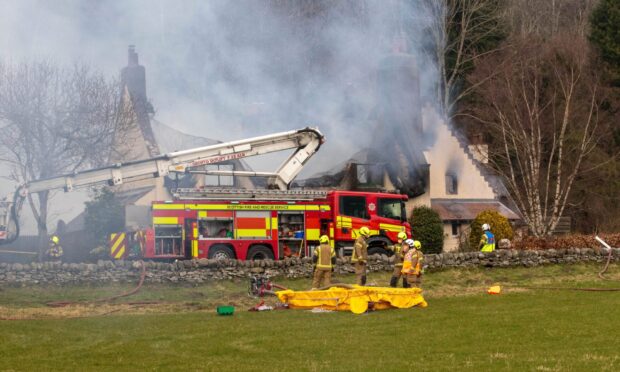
[(451, 184), (455, 228), (353, 206), (215, 228), (362, 173), (391, 208), (218, 180), (168, 240)]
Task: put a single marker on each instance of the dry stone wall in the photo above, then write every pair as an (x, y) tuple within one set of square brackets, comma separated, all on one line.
[(203, 270)]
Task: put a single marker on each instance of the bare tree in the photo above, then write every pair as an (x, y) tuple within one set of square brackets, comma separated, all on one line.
[(545, 18), (55, 120), (463, 31), (540, 107)]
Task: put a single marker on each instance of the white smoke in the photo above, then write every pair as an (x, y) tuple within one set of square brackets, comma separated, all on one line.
[(233, 69)]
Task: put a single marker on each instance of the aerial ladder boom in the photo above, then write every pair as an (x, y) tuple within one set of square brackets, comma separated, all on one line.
[(306, 143)]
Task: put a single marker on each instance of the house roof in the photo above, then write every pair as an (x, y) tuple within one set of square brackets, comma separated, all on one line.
[(468, 209)]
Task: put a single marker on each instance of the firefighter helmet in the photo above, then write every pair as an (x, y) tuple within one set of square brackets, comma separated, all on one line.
[(402, 235), (417, 244), (486, 227), (365, 231), (54, 239), (324, 239), (410, 242)]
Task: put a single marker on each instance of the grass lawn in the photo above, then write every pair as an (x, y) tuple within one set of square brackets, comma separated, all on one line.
[(463, 328)]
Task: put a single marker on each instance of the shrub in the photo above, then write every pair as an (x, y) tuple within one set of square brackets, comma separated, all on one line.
[(104, 215), (500, 227), (567, 241), (427, 227)]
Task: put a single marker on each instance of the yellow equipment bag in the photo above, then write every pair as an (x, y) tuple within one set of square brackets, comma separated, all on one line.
[(355, 300), (496, 289)]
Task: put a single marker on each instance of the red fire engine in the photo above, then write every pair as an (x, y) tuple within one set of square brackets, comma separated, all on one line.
[(271, 223), (245, 224)]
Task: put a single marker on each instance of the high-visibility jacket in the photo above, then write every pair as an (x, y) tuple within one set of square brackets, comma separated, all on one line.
[(412, 265), (487, 242), (360, 250), (398, 253), (55, 250), (325, 257)]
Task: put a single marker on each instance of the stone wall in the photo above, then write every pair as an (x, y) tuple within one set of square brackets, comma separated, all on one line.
[(203, 270)]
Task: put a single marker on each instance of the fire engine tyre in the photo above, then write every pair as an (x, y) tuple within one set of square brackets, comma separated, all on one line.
[(260, 252), (221, 252), (375, 250)]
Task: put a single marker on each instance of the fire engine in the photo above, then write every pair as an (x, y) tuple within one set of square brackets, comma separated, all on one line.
[(244, 224), (270, 224)]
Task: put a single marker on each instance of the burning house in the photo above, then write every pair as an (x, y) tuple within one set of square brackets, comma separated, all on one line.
[(414, 151)]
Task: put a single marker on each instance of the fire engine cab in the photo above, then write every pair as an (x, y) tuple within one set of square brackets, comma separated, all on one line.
[(272, 224)]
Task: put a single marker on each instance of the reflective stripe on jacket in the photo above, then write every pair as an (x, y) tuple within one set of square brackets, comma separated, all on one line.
[(360, 250), (412, 265), (487, 242), (398, 253), (325, 255)]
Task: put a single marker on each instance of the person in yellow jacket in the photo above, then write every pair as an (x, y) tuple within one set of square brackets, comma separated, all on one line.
[(398, 250), (412, 264), (324, 258), (54, 251), (359, 258), (487, 242)]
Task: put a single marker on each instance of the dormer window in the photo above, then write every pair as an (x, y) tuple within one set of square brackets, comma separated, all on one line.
[(451, 184)]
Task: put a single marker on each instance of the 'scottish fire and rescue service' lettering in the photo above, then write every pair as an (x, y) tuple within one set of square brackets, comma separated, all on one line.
[(247, 229)]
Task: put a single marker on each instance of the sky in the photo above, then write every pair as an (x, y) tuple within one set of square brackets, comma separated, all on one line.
[(233, 69)]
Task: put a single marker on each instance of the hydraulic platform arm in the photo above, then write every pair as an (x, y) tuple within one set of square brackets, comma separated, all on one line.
[(306, 143)]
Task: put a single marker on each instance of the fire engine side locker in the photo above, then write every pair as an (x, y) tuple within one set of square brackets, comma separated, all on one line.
[(291, 231)]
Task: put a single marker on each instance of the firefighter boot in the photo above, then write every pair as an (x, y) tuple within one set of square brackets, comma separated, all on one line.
[(405, 284), (393, 282), (363, 279)]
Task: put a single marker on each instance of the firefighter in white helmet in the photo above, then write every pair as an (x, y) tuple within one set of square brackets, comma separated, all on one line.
[(359, 258), (324, 258), (487, 242), (398, 250), (412, 264)]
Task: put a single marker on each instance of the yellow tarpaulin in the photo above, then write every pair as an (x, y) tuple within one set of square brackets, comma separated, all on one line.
[(355, 300)]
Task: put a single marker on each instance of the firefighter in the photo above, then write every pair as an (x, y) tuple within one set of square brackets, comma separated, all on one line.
[(412, 264), (487, 242), (398, 258), (324, 259), (359, 258), (54, 251)]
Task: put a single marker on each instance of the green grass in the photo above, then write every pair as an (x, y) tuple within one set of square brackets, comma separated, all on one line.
[(462, 328)]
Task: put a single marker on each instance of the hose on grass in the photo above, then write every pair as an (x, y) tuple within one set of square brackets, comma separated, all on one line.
[(600, 274), (106, 299)]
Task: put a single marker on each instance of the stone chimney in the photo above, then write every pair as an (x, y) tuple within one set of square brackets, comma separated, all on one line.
[(133, 76), (478, 149)]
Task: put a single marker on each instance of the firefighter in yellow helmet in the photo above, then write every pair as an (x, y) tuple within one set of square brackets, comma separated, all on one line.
[(54, 250), (359, 258), (324, 258), (398, 250), (412, 264)]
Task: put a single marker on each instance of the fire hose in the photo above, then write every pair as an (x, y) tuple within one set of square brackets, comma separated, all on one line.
[(112, 298), (600, 275)]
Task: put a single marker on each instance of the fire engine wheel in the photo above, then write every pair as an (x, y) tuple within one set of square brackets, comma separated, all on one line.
[(375, 250), (221, 252), (260, 252)]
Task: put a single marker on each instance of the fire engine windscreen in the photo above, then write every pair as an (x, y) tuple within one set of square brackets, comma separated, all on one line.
[(392, 208)]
